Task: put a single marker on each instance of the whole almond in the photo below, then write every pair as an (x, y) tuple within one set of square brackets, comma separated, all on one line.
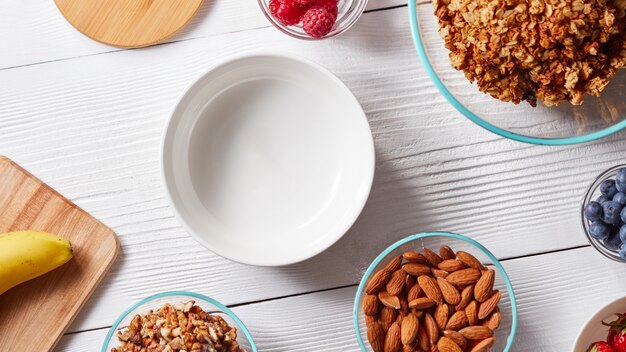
[(387, 317), (409, 328), (451, 265), (432, 330), (476, 332), (456, 337), (446, 253), (415, 257), (484, 286), (430, 288), (416, 269), (409, 281), (466, 297), (388, 300), (393, 343), (441, 315), (410, 348), (376, 336), (471, 311), (484, 345), (421, 303), (431, 256), (439, 273), (457, 321), (469, 260), (404, 305), (377, 282), (464, 277), (418, 313), (447, 345), (422, 340), (396, 282), (414, 293), (493, 320), (394, 264), (371, 305), (449, 292), (489, 305)]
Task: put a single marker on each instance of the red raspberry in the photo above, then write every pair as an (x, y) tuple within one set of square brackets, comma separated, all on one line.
[(304, 2), (331, 5), (287, 12), (318, 21)]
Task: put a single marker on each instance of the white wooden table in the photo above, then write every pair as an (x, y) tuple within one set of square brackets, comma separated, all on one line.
[(87, 119)]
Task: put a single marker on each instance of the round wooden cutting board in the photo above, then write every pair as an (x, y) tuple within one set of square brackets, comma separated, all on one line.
[(128, 23)]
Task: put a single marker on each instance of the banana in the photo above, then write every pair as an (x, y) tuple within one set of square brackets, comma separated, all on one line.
[(24, 255)]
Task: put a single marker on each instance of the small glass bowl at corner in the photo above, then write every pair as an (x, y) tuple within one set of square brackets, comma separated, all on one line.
[(154, 302), (592, 194), (349, 11), (505, 334)]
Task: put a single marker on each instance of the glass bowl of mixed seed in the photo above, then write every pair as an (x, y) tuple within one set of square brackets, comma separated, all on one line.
[(435, 292), (178, 321)]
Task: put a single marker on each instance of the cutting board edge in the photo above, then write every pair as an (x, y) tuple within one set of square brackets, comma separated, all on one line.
[(4, 159)]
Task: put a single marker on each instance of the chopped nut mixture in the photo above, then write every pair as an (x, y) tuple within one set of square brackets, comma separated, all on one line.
[(178, 328), (551, 50)]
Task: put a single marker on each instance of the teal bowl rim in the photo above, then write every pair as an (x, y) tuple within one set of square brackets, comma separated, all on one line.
[(385, 253), (421, 52), (222, 307)]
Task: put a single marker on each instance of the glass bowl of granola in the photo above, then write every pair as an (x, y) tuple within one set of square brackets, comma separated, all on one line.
[(179, 321), (532, 71), (435, 289)]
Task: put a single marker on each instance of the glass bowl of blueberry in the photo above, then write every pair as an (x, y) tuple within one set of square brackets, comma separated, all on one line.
[(313, 19), (604, 213)]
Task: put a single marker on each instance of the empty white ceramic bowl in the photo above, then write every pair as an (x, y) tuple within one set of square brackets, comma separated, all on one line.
[(267, 159), (593, 330)]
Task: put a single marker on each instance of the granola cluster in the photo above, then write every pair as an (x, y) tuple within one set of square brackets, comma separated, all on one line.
[(550, 50), (178, 328)]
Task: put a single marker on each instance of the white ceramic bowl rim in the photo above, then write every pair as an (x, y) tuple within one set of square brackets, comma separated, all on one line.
[(241, 326), (385, 253), (359, 202), (597, 315)]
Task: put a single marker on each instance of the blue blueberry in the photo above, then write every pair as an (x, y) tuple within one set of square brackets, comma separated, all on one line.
[(611, 211), (593, 211), (621, 176), (622, 215), (608, 188), (599, 230), (622, 251), (621, 186), (622, 233), (613, 242), (620, 198), (602, 199)]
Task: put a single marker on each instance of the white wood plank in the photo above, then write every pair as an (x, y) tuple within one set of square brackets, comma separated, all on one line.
[(90, 127), (35, 31), (552, 308)]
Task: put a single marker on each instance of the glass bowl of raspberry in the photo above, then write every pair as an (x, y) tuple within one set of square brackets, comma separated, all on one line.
[(313, 19)]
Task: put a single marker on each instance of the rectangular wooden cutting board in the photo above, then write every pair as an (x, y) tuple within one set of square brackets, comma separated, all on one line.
[(35, 314)]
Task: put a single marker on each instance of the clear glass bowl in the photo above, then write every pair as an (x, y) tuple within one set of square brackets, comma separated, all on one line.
[(593, 192), (154, 302), (433, 240), (349, 12), (565, 124)]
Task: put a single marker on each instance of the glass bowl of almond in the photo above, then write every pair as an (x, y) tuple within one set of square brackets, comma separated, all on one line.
[(435, 291), (178, 321)]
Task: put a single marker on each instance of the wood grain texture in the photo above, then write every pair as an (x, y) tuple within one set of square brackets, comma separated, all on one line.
[(36, 313), (128, 23), (32, 32), (94, 126), (548, 289)]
